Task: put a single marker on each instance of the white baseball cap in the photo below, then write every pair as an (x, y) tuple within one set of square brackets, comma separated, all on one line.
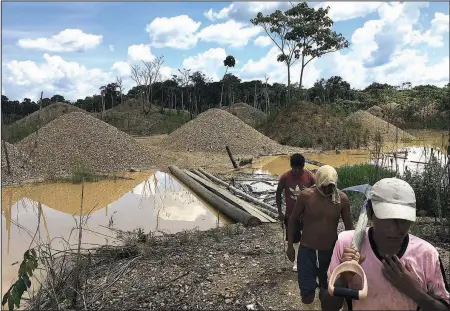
[(393, 198)]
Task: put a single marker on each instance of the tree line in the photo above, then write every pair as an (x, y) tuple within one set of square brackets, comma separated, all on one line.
[(301, 34)]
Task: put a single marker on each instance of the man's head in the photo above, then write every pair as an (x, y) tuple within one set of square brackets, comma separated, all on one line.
[(297, 163), (326, 179), (392, 209)]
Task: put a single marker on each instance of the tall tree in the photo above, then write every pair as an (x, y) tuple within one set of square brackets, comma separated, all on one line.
[(119, 83), (228, 62), (277, 25), (311, 30)]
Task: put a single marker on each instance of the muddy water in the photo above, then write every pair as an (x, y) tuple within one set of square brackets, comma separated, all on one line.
[(417, 150), (154, 202)]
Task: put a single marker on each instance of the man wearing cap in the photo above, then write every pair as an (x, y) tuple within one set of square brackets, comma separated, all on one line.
[(403, 271), (320, 208)]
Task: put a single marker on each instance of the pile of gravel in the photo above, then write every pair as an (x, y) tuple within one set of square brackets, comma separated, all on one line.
[(78, 139), (19, 168), (37, 119), (374, 124), (247, 113), (376, 111), (212, 130)]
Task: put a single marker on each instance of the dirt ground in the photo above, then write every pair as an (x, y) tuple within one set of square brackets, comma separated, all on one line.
[(226, 268), (231, 267)]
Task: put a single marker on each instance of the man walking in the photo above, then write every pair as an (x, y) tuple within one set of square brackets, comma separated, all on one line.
[(320, 208), (293, 182)]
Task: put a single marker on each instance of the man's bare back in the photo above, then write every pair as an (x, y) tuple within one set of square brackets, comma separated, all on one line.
[(321, 217)]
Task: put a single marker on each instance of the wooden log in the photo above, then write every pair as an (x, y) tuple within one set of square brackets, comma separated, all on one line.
[(214, 200), (239, 192), (231, 157), (199, 174), (231, 198)]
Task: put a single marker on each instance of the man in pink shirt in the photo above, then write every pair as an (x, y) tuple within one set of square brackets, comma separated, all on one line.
[(403, 271)]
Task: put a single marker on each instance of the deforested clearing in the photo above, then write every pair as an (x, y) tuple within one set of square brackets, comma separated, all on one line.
[(247, 113), (77, 139), (373, 124), (214, 129)]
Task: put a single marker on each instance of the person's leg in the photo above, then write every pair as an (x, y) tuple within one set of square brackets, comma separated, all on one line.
[(296, 243), (324, 263), (306, 273)]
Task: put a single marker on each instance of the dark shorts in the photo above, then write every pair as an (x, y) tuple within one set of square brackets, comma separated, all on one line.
[(308, 271), (298, 232)]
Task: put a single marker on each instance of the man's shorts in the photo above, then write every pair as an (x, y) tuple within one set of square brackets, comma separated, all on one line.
[(298, 232), (312, 264)]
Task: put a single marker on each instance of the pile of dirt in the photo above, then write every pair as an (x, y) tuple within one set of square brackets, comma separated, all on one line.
[(309, 125), (247, 113), (19, 169), (29, 124), (78, 140), (373, 124), (212, 130), (376, 111)]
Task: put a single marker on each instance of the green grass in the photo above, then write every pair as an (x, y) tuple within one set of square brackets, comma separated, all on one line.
[(357, 175), (82, 172), (353, 175)]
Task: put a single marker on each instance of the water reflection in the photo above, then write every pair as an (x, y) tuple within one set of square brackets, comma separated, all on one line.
[(151, 201)]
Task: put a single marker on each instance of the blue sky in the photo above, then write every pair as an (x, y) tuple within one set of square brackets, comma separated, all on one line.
[(73, 48)]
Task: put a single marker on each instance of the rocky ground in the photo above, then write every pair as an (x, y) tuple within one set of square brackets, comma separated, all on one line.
[(224, 268)]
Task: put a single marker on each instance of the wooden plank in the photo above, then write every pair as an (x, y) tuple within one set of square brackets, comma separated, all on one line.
[(239, 192), (227, 195)]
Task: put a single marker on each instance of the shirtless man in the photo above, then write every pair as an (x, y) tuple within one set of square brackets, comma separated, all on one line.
[(292, 183), (320, 208)]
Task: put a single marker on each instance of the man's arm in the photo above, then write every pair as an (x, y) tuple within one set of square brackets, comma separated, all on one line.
[(346, 213), (297, 213), (280, 188)]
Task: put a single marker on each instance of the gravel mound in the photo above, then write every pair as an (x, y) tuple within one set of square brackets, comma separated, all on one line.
[(212, 130), (246, 113), (19, 168), (376, 111), (77, 139), (29, 124), (374, 124)]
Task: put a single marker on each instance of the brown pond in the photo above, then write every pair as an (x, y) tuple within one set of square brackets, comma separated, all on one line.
[(418, 150), (154, 202)]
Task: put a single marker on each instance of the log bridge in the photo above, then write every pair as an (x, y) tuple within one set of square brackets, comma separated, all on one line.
[(228, 200)]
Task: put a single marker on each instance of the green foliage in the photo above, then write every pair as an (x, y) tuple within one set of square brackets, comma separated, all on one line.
[(20, 132), (16, 291), (81, 172), (352, 175)]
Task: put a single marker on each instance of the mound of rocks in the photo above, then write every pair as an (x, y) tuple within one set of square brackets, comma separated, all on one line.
[(214, 129), (78, 139), (247, 113)]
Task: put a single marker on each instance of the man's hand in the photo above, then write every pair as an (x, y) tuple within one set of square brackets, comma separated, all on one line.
[(290, 253), (402, 277), (349, 255)]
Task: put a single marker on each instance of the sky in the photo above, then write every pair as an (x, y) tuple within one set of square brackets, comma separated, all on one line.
[(73, 48)]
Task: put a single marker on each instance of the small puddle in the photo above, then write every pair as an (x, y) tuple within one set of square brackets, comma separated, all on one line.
[(155, 202)]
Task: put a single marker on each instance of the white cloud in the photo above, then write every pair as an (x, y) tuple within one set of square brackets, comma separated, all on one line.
[(68, 40), (222, 14), (111, 48), (434, 36), (55, 75), (140, 52), (277, 71), (209, 62), (177, 32), (230, 33), (244, 11), (122, 68), (341, 11), (263, 41)]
